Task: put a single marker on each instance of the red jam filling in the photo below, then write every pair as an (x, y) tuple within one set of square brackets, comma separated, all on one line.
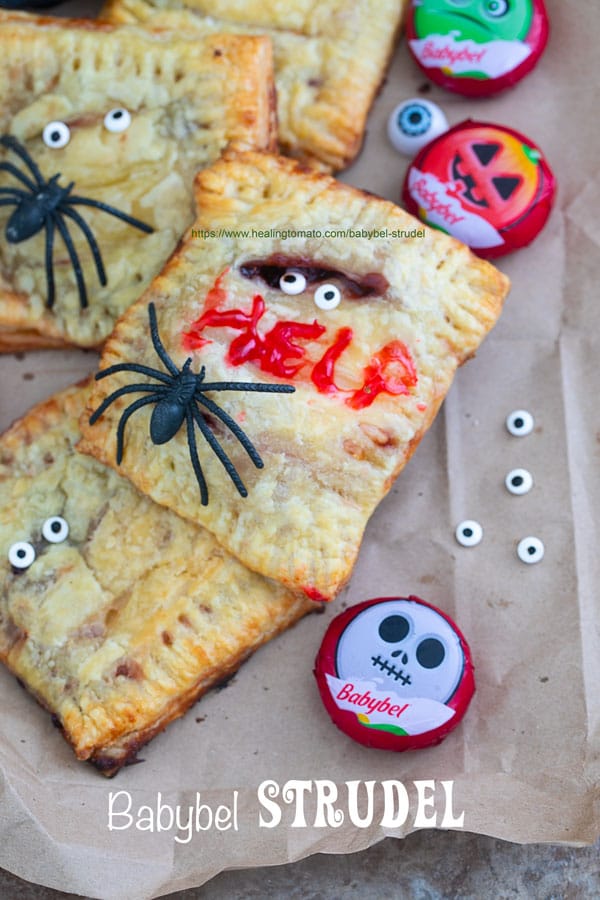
[(271, 269)]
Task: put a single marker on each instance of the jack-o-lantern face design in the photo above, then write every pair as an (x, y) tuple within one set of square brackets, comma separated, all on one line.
[(494, 172), (292, 318), (485, 173)]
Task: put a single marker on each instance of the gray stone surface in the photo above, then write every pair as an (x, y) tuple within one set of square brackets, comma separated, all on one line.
[(428, 865)]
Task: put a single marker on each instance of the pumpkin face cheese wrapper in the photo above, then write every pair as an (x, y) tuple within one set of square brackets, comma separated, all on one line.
[(395, 673), (487, 185), (477, 47)]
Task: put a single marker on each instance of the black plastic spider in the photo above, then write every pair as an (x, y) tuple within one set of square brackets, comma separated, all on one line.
[(176, 400), (44, 205)]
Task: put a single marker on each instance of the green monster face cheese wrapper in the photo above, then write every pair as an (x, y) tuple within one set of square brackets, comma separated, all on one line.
[(395, 673), (477, 47), (487, 185)]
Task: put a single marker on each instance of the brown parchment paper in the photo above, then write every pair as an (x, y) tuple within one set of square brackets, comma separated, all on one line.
[(524, 762)]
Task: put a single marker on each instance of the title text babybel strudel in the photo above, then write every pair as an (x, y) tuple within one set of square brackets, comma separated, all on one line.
[(297, 804)]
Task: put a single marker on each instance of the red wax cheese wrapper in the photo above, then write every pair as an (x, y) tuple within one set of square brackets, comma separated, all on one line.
[(477, 47), (487, 185), (395, 673)]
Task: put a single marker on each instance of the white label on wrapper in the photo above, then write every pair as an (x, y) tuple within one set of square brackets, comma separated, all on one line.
[(445, 211), (445, 51), (415, 715)]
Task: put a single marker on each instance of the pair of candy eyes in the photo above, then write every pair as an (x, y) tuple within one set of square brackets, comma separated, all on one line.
[(21, 555), (494, 8), (326, 296), (430, 652), (529, 550), (58, 134)]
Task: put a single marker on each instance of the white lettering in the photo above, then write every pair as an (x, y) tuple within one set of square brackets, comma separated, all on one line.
[(423, 802), (112, 798), (266, 790), (353, 813), (396, 804)]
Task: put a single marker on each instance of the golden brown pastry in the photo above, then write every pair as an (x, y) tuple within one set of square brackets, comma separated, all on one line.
[(288, 278), (330, 59), (114, 612), (93, 114)]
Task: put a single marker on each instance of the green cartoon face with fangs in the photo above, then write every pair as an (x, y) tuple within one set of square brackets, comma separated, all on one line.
[(477, 20)]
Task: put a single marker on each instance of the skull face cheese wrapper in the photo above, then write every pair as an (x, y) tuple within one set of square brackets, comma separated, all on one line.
[(487, 185), (477, 47), (395, 673)]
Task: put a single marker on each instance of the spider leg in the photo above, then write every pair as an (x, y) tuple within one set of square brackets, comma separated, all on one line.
[(15, 192), (135, 367), (158, 344), (191, 436), (8, 167), (49, 262), (113, 211), (73, 214), (233, 426), (128, 389), (137, 404), (83, 300), (13, 144), (8, 202), (219, 452), (256, 387)]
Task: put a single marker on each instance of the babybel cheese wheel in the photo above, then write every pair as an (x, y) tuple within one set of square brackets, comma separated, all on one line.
[(477, 47), (395, 673), (487, 185)]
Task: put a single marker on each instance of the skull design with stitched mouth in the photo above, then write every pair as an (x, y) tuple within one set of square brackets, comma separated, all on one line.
[(404, 646), (291, 318)]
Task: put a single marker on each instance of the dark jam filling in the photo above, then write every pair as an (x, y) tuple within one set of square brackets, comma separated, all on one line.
[(272, 269)]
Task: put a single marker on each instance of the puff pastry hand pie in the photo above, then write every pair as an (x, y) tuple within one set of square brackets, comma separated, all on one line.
[(102, 130), (114, 612), (330, 59), (288, 278)]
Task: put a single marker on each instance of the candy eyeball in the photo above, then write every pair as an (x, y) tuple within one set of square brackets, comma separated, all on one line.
[(21, 555), (117, 119), (56, 135), (530, 550), (327, 296), (519, 423), (292, 282), (55, 530), (414, 123), (469, 533), (519, 481)]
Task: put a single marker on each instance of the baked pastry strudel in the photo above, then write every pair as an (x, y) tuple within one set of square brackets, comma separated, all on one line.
[(102, 130), (288, 281), (330, 59), (114, 612)]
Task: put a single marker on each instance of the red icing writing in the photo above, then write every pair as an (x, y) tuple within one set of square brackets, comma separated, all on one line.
[(271, 351), (322, 374), (391, 370)]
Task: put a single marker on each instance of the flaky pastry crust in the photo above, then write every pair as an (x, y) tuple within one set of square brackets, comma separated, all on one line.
[(121, 627), (412, 309), (187, 100), (330, 59)]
